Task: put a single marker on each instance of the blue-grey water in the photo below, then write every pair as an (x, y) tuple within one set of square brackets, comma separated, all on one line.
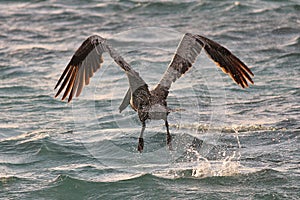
[(229, 143)]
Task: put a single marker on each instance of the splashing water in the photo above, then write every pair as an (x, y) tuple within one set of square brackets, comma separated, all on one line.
[(229, 166), (207, 168)]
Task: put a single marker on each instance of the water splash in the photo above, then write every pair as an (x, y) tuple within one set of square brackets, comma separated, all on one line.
[(229, 166), (207, 168)]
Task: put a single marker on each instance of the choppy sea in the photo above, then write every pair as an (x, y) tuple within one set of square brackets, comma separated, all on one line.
[(228, 142)]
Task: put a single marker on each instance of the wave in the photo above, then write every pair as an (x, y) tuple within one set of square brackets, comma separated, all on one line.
[(37, 146), (226, 129), (145, 185), (179, 175)]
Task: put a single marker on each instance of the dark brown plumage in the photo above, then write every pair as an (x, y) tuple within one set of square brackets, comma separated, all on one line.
[(148, 104)]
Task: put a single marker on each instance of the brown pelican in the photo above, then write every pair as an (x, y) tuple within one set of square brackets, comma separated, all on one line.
[(148, 104)]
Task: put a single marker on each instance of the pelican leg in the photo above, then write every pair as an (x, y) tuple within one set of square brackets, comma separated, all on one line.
[(169, 138), (141, 138)]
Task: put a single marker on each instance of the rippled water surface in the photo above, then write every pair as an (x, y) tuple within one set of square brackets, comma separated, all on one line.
[(228, 142)]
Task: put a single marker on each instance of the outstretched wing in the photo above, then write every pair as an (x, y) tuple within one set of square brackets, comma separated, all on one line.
[(85, 62), (186, 54), (229, 63)]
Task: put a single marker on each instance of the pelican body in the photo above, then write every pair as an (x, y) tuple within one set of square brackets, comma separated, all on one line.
[(148, 104)]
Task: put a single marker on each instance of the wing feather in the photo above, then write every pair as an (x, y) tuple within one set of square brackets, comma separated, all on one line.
[(85, 62), (67, 78), (71, 87), (229, 63), (62, 76), (187, 52), (81, 79), (185, 55), (76, 83), (70, 83)]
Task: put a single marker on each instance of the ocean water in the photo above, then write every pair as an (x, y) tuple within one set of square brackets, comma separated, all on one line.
[(229, 143)]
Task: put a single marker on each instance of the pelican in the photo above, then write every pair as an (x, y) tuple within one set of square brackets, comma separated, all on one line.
[(149, 104)]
